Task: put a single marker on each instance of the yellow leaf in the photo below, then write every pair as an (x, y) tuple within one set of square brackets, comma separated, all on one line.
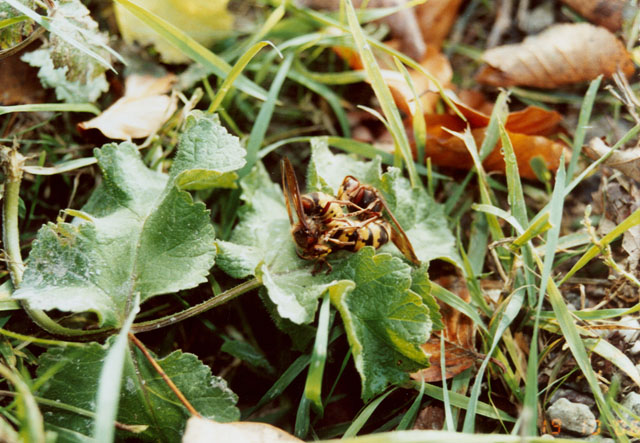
[(204, 20)]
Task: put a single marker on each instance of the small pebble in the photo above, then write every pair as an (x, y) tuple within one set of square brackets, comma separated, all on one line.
[(572, 417), (632, 402)]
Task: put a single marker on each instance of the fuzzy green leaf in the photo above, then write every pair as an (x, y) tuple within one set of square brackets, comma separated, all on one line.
[(76, 76), (208, 156), (261, 245), (145, 398), (386, 322), (139, 233)]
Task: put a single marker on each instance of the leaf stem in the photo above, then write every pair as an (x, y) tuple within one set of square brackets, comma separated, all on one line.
[(164, 376), (220, 299), (12, 162)]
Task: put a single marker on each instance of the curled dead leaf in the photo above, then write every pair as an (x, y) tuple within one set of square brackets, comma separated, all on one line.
[(201, 430), (140, 112), (562, 54), (459, 336), (450, 151), (526, 129), (608, 13), (626, 161)]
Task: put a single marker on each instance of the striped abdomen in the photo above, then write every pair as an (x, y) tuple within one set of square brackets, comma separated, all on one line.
[(373, 234)]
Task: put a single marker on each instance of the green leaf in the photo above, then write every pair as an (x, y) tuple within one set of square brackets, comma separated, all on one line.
[(421, 285), (110, 382), (139, 233), (145, 398), (246, 352), (208, 155), (76, 76), (261, 245), (386, 322)]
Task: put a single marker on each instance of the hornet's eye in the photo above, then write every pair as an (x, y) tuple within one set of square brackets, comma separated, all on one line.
[(303, 238)]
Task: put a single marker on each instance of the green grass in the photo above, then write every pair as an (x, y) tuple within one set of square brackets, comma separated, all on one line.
[(517, 235)]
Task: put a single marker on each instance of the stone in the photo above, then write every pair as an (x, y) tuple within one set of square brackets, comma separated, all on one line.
[(572, 417)]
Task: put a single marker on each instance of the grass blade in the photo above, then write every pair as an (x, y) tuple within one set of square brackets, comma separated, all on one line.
[(410, 416), (510, 313), (626, 224), (110, 381), (531, 385), (383, 93), (456, 302), (447, 436), (572, 337), (445, 390), (281, 384), (191, 48), (614, 355), (313, 385), (583, 122), (256, 137), (32, 428), (515, 194), (301, 428), (234, 73), (51, 107), (366, 413), (326, 93), (461, 401)]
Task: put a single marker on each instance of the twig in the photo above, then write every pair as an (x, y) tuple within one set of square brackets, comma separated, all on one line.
[(218, 300), (164, 376), (502, 23)]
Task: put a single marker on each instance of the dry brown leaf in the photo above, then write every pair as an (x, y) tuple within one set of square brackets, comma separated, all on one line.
[(201, 430), (616, 200), (526, 130), (20, 84), (608, 13), (430, 417), (450, 151), (140, 112), (435, 18), (459, 335), (626, 161), (562, 54)]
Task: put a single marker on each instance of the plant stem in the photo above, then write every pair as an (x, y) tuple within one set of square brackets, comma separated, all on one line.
[(12, 162), (220, 299), (164, 376)]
